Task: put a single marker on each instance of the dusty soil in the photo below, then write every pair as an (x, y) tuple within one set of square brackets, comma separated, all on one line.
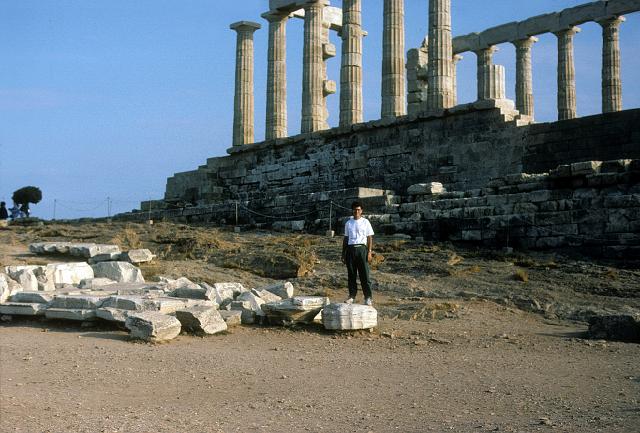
[(469, 341)]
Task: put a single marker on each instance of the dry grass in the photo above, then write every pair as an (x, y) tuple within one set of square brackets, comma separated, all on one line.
[(461, 272), (454, 259), (521, 275), (127, 238), (612, 274)]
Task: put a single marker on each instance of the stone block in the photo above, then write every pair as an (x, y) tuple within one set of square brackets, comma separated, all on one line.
[(23, 308), (283, 289), (201, 320), (539, 24), (254, 302), (122, 272), (248, 314), (153, 326), (496, 35), (581, 14), (70, 314), (266, 296), (106, 257), (349, 317), (94, 283), (431, 188), (32, 297), (8, 287), (168, 305), (26, 278), (236, 288), (231, 318), (620, 7), (137, 256), (112, 314), (134, 303), (197, 292), (299, 309), (585, 168), (76, 302)]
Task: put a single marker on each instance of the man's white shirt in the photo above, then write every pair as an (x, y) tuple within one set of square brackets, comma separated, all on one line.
[(357, 230)]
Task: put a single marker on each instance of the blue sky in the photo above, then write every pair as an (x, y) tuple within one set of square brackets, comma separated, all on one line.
[(107, 98)]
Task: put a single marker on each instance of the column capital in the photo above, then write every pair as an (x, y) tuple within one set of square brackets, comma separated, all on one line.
[(457, 57), (568, 31), (491, 49), (525, 43), (245, 26), (315, 3), (275, 16), (614, 20)]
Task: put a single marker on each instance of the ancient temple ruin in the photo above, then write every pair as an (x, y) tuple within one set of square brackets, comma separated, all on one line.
[(423, 136)]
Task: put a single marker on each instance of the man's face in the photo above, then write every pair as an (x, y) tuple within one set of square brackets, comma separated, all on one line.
[(357, 212)]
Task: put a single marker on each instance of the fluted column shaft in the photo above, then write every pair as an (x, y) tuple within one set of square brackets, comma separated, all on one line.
[(276, 115), (566, 74), (243, 121), (393, 80), (524, 77), (454, 91), (611, 80), (440, 93), (484, 61), (313, 111), (351, 110)]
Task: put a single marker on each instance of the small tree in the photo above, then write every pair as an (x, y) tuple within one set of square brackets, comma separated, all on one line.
[(26, 195)]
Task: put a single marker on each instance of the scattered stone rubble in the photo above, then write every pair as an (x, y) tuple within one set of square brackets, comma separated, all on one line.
[(116, 291), (93, 252)]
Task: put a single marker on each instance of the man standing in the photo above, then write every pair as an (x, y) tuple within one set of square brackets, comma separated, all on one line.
[(357, 247)]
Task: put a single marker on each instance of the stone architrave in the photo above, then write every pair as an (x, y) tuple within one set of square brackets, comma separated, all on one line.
[(440, 70), (243, 121), (524, 80), (313, 109), (276, 116), (393, 80), (611, 80), (485, 60), (566, 74), (152, 326), (351, 105)]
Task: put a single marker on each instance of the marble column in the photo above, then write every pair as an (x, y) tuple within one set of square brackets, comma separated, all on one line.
[(243, 132), (485, 60), (393, 80), (313, 110), (566, 74), (351, 68), (454, 91), (276, 115), (524, 80), (611, 80), (440, 69)]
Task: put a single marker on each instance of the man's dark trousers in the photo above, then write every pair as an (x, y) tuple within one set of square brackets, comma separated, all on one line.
[(357, 264)]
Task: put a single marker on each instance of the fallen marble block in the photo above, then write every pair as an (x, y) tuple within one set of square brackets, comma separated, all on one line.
[(112, 314), (68, 273), (171, 284), (8, 287), (105, 257), (26, 278), (70, 314), (254, 301), (201, 320), (37, 247), (197, 292), (153, 326), (133, 303), (139, 289), (168, 305), (231, 318), (248, 314), (299, 309), (282, 289), (266, 296), (236, 288), (32, 297), (349, 317), (221, 295), (432, 188), (122, 272), (22, 309), (93, 283), (137, 256), (76, 302), (89, 250)]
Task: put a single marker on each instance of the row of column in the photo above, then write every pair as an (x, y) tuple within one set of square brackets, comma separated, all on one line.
[(315, 86), (611, 80)]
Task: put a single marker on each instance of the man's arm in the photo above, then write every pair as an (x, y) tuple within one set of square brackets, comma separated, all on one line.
[(369, 248), (345, 243)]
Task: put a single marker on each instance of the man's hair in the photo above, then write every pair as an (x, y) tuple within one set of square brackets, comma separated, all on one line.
[(356, 204)]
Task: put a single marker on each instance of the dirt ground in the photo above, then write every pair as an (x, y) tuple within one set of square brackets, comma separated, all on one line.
[(468, 341)]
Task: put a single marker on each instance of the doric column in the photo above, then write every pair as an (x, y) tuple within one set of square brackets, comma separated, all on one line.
[(495, 82), (566, 74), (313, 111), (524, 80), (243, 99), (276, 116), (351, 68), (485, 59), (440, 69), (454, 91), (393, 81), (611, 80)]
